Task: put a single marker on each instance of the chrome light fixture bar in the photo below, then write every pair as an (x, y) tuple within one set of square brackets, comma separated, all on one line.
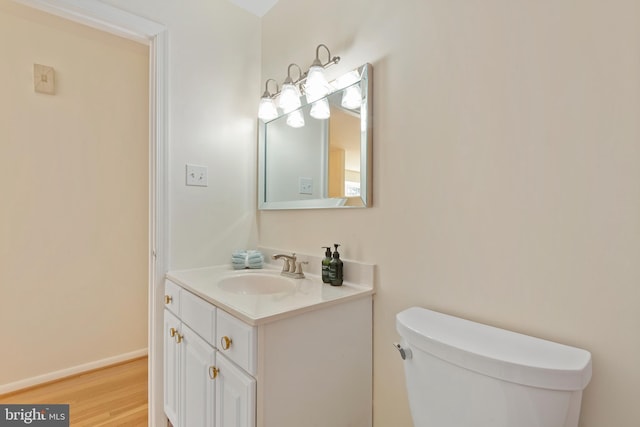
[(312, 83)]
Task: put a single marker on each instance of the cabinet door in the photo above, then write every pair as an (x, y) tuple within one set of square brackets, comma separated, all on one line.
[(235, 396), (171, 367), (197, 384)]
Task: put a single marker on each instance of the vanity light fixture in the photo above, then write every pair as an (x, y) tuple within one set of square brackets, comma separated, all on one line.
[(267, 109), (312, 83), (290, 94), (317, 85)]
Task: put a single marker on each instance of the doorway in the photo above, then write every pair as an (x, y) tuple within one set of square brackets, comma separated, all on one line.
[(107, 18)]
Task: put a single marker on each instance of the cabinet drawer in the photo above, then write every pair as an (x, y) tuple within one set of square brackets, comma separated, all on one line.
[(199, 315), (172, 297), (237, 341)]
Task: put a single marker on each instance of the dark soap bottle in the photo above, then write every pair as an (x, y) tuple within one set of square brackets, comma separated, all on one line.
[(335, 268), (325, 265)]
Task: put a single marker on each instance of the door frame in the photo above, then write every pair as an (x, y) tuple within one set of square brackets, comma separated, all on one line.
[(111, 19)]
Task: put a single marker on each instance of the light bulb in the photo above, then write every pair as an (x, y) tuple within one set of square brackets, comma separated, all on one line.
[(320, 109), (267, 109), (316, 86), (295, 119), (289, 98), (352, 97)]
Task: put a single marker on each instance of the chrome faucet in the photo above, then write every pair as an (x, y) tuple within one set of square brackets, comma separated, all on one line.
[(291, 267)]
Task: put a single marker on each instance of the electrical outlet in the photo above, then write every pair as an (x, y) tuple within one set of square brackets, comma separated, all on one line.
[(197, 175), (305, 185)]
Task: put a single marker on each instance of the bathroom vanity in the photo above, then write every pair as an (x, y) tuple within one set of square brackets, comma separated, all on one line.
[(251, 348)]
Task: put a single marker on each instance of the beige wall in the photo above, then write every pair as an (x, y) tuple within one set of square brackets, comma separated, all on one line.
[(506, 173), (74, 186)]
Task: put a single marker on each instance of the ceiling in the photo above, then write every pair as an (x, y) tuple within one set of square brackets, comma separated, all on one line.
[(257, 7)]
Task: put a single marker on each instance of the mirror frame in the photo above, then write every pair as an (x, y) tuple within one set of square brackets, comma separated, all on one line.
[(366, 151)]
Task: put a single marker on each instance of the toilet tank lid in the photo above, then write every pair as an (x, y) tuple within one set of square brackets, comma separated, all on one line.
[(496, 352)]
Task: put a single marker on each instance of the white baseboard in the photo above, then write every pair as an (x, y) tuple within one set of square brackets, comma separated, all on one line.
[(74, 370)]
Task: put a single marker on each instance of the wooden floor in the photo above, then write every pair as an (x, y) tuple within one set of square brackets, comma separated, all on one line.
[(112, 396)]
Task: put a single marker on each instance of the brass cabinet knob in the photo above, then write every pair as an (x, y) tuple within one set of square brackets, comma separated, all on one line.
[(213, 372), (179, 338), (225, 342), (172, 332), (168, 299)]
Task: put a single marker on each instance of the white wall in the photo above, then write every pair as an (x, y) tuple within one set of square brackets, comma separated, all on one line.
[(74, 182), (214, 66), (506, 173)]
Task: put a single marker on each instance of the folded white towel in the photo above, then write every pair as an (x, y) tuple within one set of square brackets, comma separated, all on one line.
[(246, 259)]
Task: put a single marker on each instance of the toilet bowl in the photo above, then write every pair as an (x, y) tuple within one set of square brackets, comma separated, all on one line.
[(465, 374)]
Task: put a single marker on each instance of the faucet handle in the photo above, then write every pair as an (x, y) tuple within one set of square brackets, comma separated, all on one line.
[(290, 264), (299, 267)]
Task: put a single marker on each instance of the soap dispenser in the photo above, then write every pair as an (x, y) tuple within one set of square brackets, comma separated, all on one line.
[(326, 261), (335, 268)]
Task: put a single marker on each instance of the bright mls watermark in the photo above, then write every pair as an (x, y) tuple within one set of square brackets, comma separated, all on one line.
[(34, 415)]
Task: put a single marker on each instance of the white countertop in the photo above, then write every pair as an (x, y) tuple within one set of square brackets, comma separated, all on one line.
[(307, 294)]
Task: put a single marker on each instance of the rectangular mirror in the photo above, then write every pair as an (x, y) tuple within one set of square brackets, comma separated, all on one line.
[(309, 163)]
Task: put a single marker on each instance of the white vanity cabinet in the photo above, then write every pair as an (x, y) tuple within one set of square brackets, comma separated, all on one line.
[(201, 388), (302, 365)]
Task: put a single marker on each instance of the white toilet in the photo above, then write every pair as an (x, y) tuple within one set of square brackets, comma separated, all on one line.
[(465, 374)]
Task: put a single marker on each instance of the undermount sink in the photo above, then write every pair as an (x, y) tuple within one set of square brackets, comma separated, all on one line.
[(256, 284)]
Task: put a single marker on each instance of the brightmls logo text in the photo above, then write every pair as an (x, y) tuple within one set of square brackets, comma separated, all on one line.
[(27, 416), (34, 415)]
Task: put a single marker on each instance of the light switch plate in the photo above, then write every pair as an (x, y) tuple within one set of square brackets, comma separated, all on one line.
[(44, 79), (305, 185), (197, 175)]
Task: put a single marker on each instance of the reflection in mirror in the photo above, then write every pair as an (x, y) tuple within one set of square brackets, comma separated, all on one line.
[(344, 153), (306, 162)]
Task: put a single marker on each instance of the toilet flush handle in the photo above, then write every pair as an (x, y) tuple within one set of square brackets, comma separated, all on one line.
[(405, 353)]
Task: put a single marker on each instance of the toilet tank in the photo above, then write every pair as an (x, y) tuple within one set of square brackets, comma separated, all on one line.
[(465, 374)]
